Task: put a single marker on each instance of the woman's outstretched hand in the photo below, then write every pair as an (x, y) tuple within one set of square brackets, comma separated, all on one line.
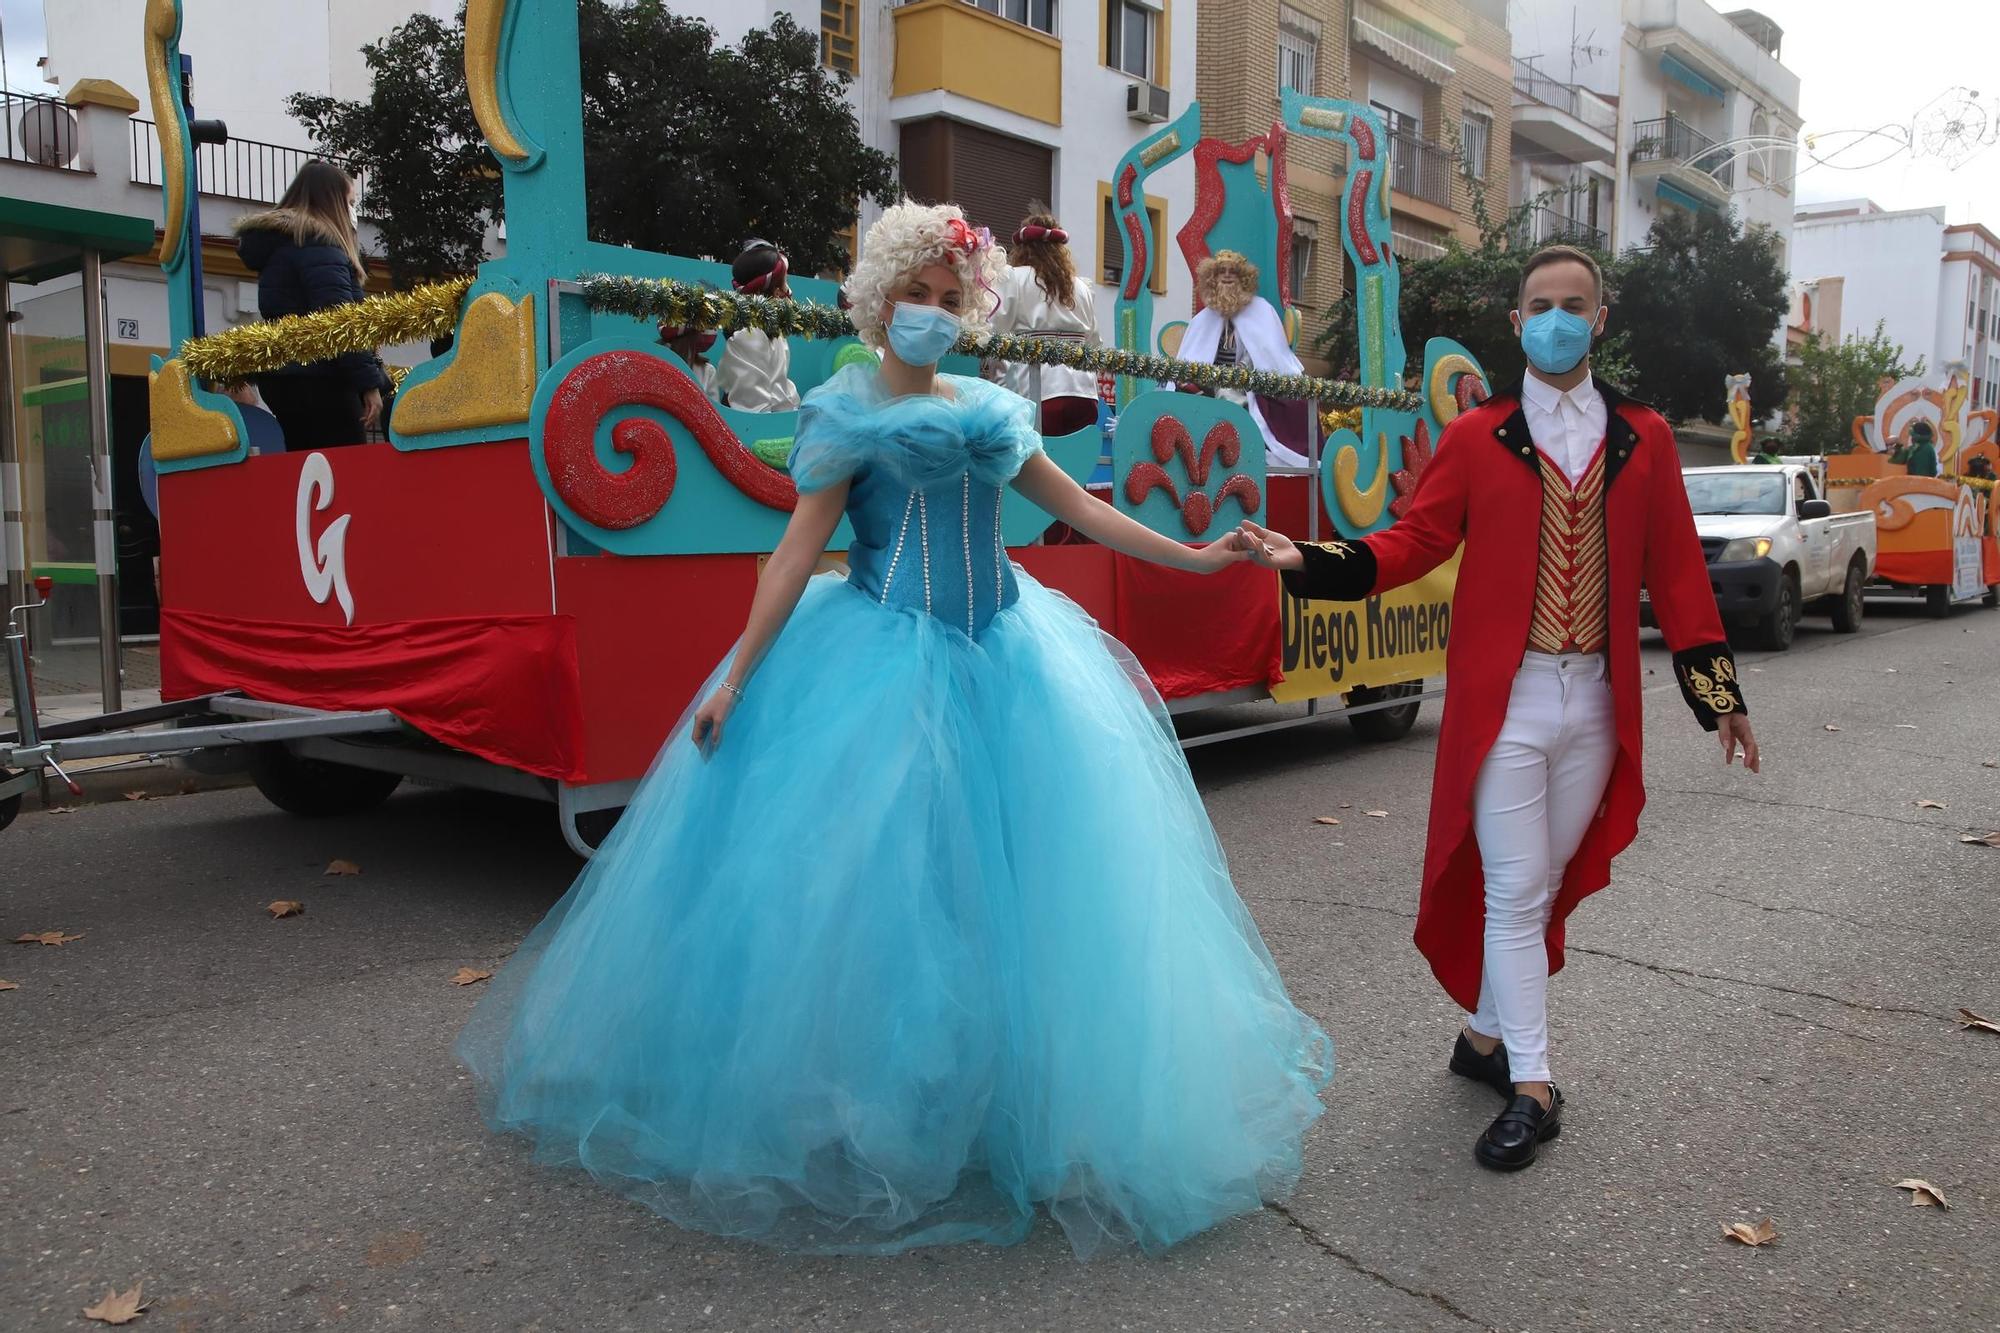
[(710, 718), (1221, 553), (1273, 550)]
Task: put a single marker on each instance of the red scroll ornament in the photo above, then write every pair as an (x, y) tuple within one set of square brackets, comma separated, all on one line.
[(1170, 437), (610, 380)]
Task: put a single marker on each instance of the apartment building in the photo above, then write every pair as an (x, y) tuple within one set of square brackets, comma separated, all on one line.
[(1934, 287), (1625, 108), (1438, 72), (1000, 105)]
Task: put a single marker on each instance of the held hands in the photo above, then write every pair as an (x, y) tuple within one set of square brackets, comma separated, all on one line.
[(1272, 550), (371, 408), (1733, 729), (710, 718), (1219, 554)]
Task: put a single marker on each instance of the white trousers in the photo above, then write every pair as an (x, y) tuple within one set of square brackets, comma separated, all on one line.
[(1537, 791)]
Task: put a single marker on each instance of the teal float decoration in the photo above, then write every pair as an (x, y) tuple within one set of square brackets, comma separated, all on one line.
[(1189, 467), (1368, 468)]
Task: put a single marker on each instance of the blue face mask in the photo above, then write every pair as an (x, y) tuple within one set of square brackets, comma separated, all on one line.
[(1555, 341), (920, 335)]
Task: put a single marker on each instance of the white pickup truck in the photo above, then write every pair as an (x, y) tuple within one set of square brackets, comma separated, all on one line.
[(1774, 547)]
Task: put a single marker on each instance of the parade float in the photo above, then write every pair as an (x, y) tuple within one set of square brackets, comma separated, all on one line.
[(523, 588), (1912, 462)]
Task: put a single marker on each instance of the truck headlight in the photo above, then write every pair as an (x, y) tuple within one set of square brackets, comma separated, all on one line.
[(1746, 548)]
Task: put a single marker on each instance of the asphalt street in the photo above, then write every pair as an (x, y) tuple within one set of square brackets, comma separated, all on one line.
[(261, 1121)]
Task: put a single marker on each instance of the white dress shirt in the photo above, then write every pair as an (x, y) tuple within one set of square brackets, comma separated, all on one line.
[(1567, 425), (756, 373)]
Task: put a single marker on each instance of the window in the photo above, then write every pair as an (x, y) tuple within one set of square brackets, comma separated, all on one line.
[(839, 36), (1298, 50), (1129, 28), (1476, 139), (1037, 14), (1760, 153), (1111, 244), (1304, 241)]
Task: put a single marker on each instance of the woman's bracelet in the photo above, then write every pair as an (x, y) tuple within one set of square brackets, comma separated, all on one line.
[(736, 690)]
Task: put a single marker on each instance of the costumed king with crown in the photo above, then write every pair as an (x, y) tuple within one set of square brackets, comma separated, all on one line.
[(1566, 496), (1237, 327)]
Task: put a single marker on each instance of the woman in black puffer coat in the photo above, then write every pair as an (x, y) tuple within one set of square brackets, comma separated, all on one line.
[(306, 258)]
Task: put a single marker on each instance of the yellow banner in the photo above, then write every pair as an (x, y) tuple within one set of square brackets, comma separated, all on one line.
[(1333, 647)]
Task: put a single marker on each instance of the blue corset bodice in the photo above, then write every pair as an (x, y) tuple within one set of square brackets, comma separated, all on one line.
[(927, 479), (935, 549)]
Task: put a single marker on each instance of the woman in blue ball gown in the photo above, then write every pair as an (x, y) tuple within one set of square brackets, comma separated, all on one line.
[(917, 921)]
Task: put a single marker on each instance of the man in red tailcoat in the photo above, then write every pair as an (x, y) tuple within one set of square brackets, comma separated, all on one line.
[(1567, 496)]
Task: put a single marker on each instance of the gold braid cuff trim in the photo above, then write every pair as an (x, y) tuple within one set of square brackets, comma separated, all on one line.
[(1714, 686)]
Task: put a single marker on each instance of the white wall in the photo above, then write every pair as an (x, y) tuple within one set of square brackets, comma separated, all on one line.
[(1890, 262), (247, 57), (1398, 91)]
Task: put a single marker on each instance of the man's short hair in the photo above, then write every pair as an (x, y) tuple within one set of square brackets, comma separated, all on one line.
[(1560, 254)]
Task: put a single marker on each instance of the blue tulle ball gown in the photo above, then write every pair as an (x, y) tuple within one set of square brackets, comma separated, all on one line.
[(938, 934)]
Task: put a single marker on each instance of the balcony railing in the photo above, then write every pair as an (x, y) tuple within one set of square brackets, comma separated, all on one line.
[(245, 169), (1419, 168), (41, 130), (1531, 82), (1543, 225), (1671, 139)]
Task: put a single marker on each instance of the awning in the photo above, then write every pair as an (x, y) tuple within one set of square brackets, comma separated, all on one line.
[(1687, 75), (1674, 194), (41, 241), (1416, 49)]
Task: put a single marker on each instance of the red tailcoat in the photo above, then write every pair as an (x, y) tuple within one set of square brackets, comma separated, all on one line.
[(1484, 489)]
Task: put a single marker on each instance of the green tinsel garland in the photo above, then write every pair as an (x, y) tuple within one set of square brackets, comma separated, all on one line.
[(688, 306)]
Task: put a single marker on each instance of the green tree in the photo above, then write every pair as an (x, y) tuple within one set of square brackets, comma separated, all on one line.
[(688, 148), (1701, 302), (1835, 381)]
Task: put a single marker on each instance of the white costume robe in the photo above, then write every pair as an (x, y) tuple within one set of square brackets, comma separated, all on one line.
[(1260, 345), (756, 373), (1027, 312)]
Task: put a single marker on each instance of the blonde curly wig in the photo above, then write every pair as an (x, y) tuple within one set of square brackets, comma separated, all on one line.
[(912, 236)]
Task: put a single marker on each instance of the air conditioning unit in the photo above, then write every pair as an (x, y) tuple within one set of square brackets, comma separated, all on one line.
[(1146, 102)]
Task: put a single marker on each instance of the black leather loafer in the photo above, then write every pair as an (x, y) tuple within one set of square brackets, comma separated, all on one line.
[(1491, 1070), (1516, 1137)]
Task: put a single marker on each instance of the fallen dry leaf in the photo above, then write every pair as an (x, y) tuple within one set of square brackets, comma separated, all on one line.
[(1761, 1233), (1923, 1194), (284, 907), (1376, 814), (465, 976), (1983, 839), (135, 796), (117, 1307), (342, 868), (1965, 1016), (1831, 727), (1928, 804), (15, 985), (1325, 819), (1906, 726), (1989, 763), (1888, 671), (55, 937)]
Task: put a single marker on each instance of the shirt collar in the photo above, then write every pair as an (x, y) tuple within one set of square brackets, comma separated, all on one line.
[(1546, 397)]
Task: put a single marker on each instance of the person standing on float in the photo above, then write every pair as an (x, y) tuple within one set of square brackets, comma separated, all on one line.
[(756, 370), (1566, 496)]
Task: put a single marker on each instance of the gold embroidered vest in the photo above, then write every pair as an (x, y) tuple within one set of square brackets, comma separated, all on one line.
[(1571, 573)]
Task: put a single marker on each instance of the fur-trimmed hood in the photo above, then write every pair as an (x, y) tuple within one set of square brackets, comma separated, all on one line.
[(259, 236)]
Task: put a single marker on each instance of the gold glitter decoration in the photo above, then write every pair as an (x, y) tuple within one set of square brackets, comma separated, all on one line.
[(1444, 402), (1170, 144), (418, 315), (1361, 507), (182, 427), (1321, 118), (483, 22), (1348, 418), (163, 20), (490, 380)]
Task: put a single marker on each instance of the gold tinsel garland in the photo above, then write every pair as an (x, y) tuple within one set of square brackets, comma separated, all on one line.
[(431, 311), (418, 315)]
